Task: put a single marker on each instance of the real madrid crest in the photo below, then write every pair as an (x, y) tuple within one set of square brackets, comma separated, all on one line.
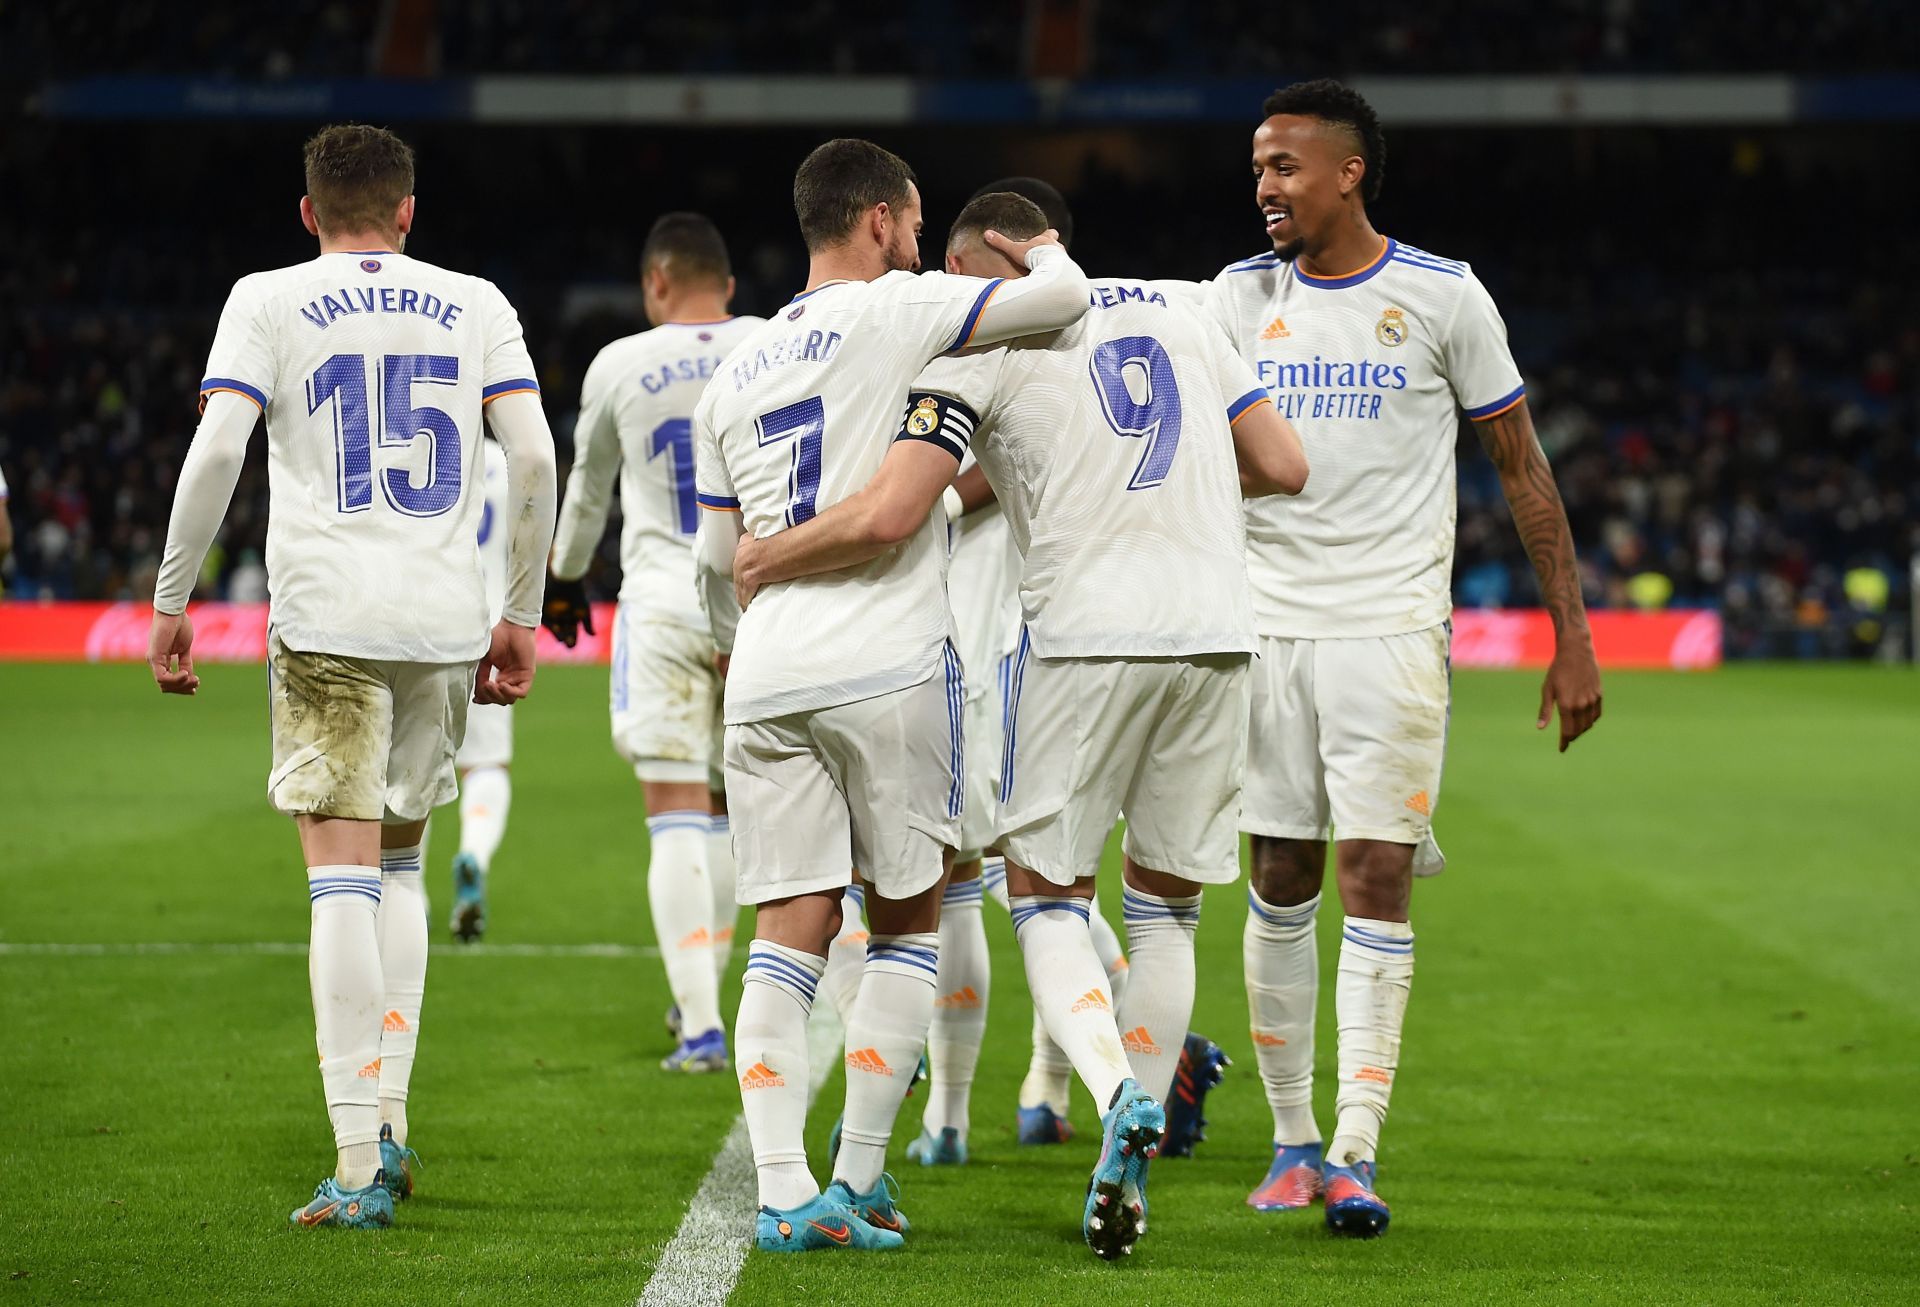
[(925, 416), (1392, 328)]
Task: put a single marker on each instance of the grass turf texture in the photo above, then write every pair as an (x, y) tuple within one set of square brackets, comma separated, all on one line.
[(1662, 1047)]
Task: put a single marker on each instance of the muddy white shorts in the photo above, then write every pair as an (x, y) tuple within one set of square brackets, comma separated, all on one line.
[(665, 698)]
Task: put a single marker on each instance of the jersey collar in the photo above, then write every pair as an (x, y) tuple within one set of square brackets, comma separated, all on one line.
[(838, 281), (1354, 278)]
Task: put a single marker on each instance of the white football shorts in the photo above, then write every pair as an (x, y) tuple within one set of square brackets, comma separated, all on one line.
[(489, 741), (363, 738), (876, 784), (1348, 739), (665, 698), (1162, 740)]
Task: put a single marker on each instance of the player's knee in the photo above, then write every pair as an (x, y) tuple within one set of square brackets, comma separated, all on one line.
[(1286, 872), (1376, 879)]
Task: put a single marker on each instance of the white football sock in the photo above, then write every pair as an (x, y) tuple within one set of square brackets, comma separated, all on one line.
[(343, 970), (486, 796), (846, 957), (1049, 1073), (1158, 1002), (1070, 990), (1370, 1004), (720, 879), (885, 1036), (1281, 957), (993, 877), (770, 1041), (959, 1008), (1107, 945), (683, 916), (401, 927)]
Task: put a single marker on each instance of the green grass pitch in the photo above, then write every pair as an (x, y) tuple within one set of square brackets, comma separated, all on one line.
[(1664, 1044)]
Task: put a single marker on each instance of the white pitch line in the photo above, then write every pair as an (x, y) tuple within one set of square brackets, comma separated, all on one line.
[(701, 1263), (298, 948)]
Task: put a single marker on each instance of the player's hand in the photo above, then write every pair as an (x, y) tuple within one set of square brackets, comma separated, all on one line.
[(1017, 250), (746, 579), (721, 662), (1573, 686), (505, 675), (567, 611), (170, 653)]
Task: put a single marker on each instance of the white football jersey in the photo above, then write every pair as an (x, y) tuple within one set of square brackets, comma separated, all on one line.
[(493, 529), (636, 418), (798, 418), (983, 585), (1373, 368), (1110, 447), (373, 370)]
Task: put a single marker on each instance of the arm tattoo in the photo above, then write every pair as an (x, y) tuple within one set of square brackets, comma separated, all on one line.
[(1538, 514)]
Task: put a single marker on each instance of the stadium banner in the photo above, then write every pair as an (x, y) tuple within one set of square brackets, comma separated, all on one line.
[(1524, 100), (237, 633)]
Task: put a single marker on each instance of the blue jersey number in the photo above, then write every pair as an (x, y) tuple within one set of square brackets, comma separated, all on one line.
[(805, 424), (674, 438), (1134, 376), (343, 380)]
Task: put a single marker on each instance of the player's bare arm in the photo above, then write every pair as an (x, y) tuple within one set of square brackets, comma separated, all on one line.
[(1272, 460), (207, 479), (880, 515), (973, 491), (505, 674), (1573, 679)]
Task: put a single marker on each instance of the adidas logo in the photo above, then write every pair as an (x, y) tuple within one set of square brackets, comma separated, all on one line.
[(1264, 1040), (857, 937), (961, 998), (723, 934), (1421, 804), (762, 1076), (1374, 1074), (1093, 998), (1139, 1041), (371, 1071), (395, 1023), (1275, 330), (698, 939), (868, 1059)]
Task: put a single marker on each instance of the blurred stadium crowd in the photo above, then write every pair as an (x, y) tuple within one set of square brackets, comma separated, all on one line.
[(1713, 322), (981, 38)]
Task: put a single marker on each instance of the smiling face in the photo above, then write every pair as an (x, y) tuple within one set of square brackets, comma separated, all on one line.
[(1305, 173)]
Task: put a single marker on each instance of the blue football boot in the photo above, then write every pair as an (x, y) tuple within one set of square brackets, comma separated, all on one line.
[(822, 1223), (1353, 1208), (352, 1209), (396, 1166), (1202, 1067), (1293, 1181), (1043, 1125), (700, 1054), (469, 921), (946, 1149), (878, 1207), (1116, 1212)]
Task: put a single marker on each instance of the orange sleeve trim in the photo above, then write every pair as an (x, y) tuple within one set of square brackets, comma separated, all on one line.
[(1508, 407), (228, 390), (1248, 409), (524, 390)]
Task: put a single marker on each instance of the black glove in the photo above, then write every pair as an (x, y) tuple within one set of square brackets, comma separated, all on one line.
[(567, 610)]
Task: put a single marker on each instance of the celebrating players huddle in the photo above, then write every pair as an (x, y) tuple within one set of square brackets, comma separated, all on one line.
[(907, 681)]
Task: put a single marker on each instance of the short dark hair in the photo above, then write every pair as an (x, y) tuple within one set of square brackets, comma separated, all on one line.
[(1338, 106), (691, 245), (1045, 194), (1003, 211), (839, 182), (356, 177)]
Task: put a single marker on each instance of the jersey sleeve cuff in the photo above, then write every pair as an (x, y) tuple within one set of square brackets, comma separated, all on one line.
[(214, 385), (1493, 410), (517, 386), (972, 324), (939, 420), (718, 503), (1239, 407)]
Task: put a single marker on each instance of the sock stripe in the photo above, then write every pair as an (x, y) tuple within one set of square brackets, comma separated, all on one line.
[(719, 824), (320, 887), (1297, 915), (1381, 943), (1025, 909), (1141, 907), (964, 892), (858, 895), (783, 973), (686, 819)]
